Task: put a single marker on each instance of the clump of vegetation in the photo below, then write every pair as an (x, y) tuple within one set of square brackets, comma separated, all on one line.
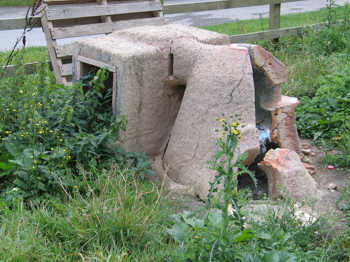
[(48, 130), (318, 64), (110, 216), (67, 191)]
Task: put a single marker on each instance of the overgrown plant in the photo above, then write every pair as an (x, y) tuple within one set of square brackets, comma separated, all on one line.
[(211, 238), (228, 163), (47, 130)]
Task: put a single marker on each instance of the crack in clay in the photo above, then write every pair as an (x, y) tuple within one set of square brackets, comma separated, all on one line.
[(239, 81)]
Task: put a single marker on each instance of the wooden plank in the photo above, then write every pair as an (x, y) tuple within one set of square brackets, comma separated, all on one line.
[(96, 63), (206, 5), (51, 46), (76, 11), (67, 69), (106, 19), (82, 30), (17, 23), (114, 94), (60, 2), (275, 16), (272, 34), (11, 70), (102, 28), (64, 51), (124, 24)]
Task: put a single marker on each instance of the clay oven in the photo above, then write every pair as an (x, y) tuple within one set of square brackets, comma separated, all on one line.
[(173, 82)]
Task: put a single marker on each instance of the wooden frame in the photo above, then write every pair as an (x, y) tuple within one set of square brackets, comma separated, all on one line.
[(78, 74), (61, 19)]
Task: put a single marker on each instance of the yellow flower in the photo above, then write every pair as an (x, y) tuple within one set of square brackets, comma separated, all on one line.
[(234, 124), (222, 119), (235, 132), (223, 133)]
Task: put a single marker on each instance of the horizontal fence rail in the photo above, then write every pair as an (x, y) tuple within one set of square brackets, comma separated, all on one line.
[(206, 5)]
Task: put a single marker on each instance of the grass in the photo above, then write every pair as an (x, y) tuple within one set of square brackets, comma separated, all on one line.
[(30, 55), (255, 25), (16, 2), (120, 219)]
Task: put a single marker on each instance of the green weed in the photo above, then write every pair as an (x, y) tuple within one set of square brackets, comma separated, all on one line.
[(46, 130), (110, 216)]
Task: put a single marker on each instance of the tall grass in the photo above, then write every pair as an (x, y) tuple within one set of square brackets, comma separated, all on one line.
[(110, 217)]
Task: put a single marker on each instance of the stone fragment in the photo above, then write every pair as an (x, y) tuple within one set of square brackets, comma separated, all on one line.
[(306, 151), (332, 187), (310, 168), (283, 130), (285, 171), (306, 146)]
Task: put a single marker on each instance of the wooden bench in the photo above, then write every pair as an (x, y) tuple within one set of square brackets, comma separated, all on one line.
[(62, 19)]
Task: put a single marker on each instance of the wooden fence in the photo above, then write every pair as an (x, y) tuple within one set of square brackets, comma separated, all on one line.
[(195, 6)]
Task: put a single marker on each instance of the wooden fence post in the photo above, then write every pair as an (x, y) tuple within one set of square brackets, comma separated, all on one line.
[(275, 17)]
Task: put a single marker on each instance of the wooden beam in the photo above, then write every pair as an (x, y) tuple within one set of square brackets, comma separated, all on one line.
[(206, 5), (67, 69), (76, 11), (102, 28), (275, 16), (17, 23), (272, 34), (10, 70)]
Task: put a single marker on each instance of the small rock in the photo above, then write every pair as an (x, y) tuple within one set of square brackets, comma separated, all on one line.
[(285, 170), (310, 168), (306, 151), (332, 187), (306, 146)]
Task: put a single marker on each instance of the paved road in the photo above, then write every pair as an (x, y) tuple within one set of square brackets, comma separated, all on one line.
[(36, 37)]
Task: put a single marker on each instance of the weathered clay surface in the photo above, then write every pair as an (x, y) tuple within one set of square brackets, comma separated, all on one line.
[(285, 171), (174, 81)]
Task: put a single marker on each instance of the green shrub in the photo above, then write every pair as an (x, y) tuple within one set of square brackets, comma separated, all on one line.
[(327, 114), (46, 130)]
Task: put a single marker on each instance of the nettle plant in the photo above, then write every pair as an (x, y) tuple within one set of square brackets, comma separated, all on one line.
[(214, 237)]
